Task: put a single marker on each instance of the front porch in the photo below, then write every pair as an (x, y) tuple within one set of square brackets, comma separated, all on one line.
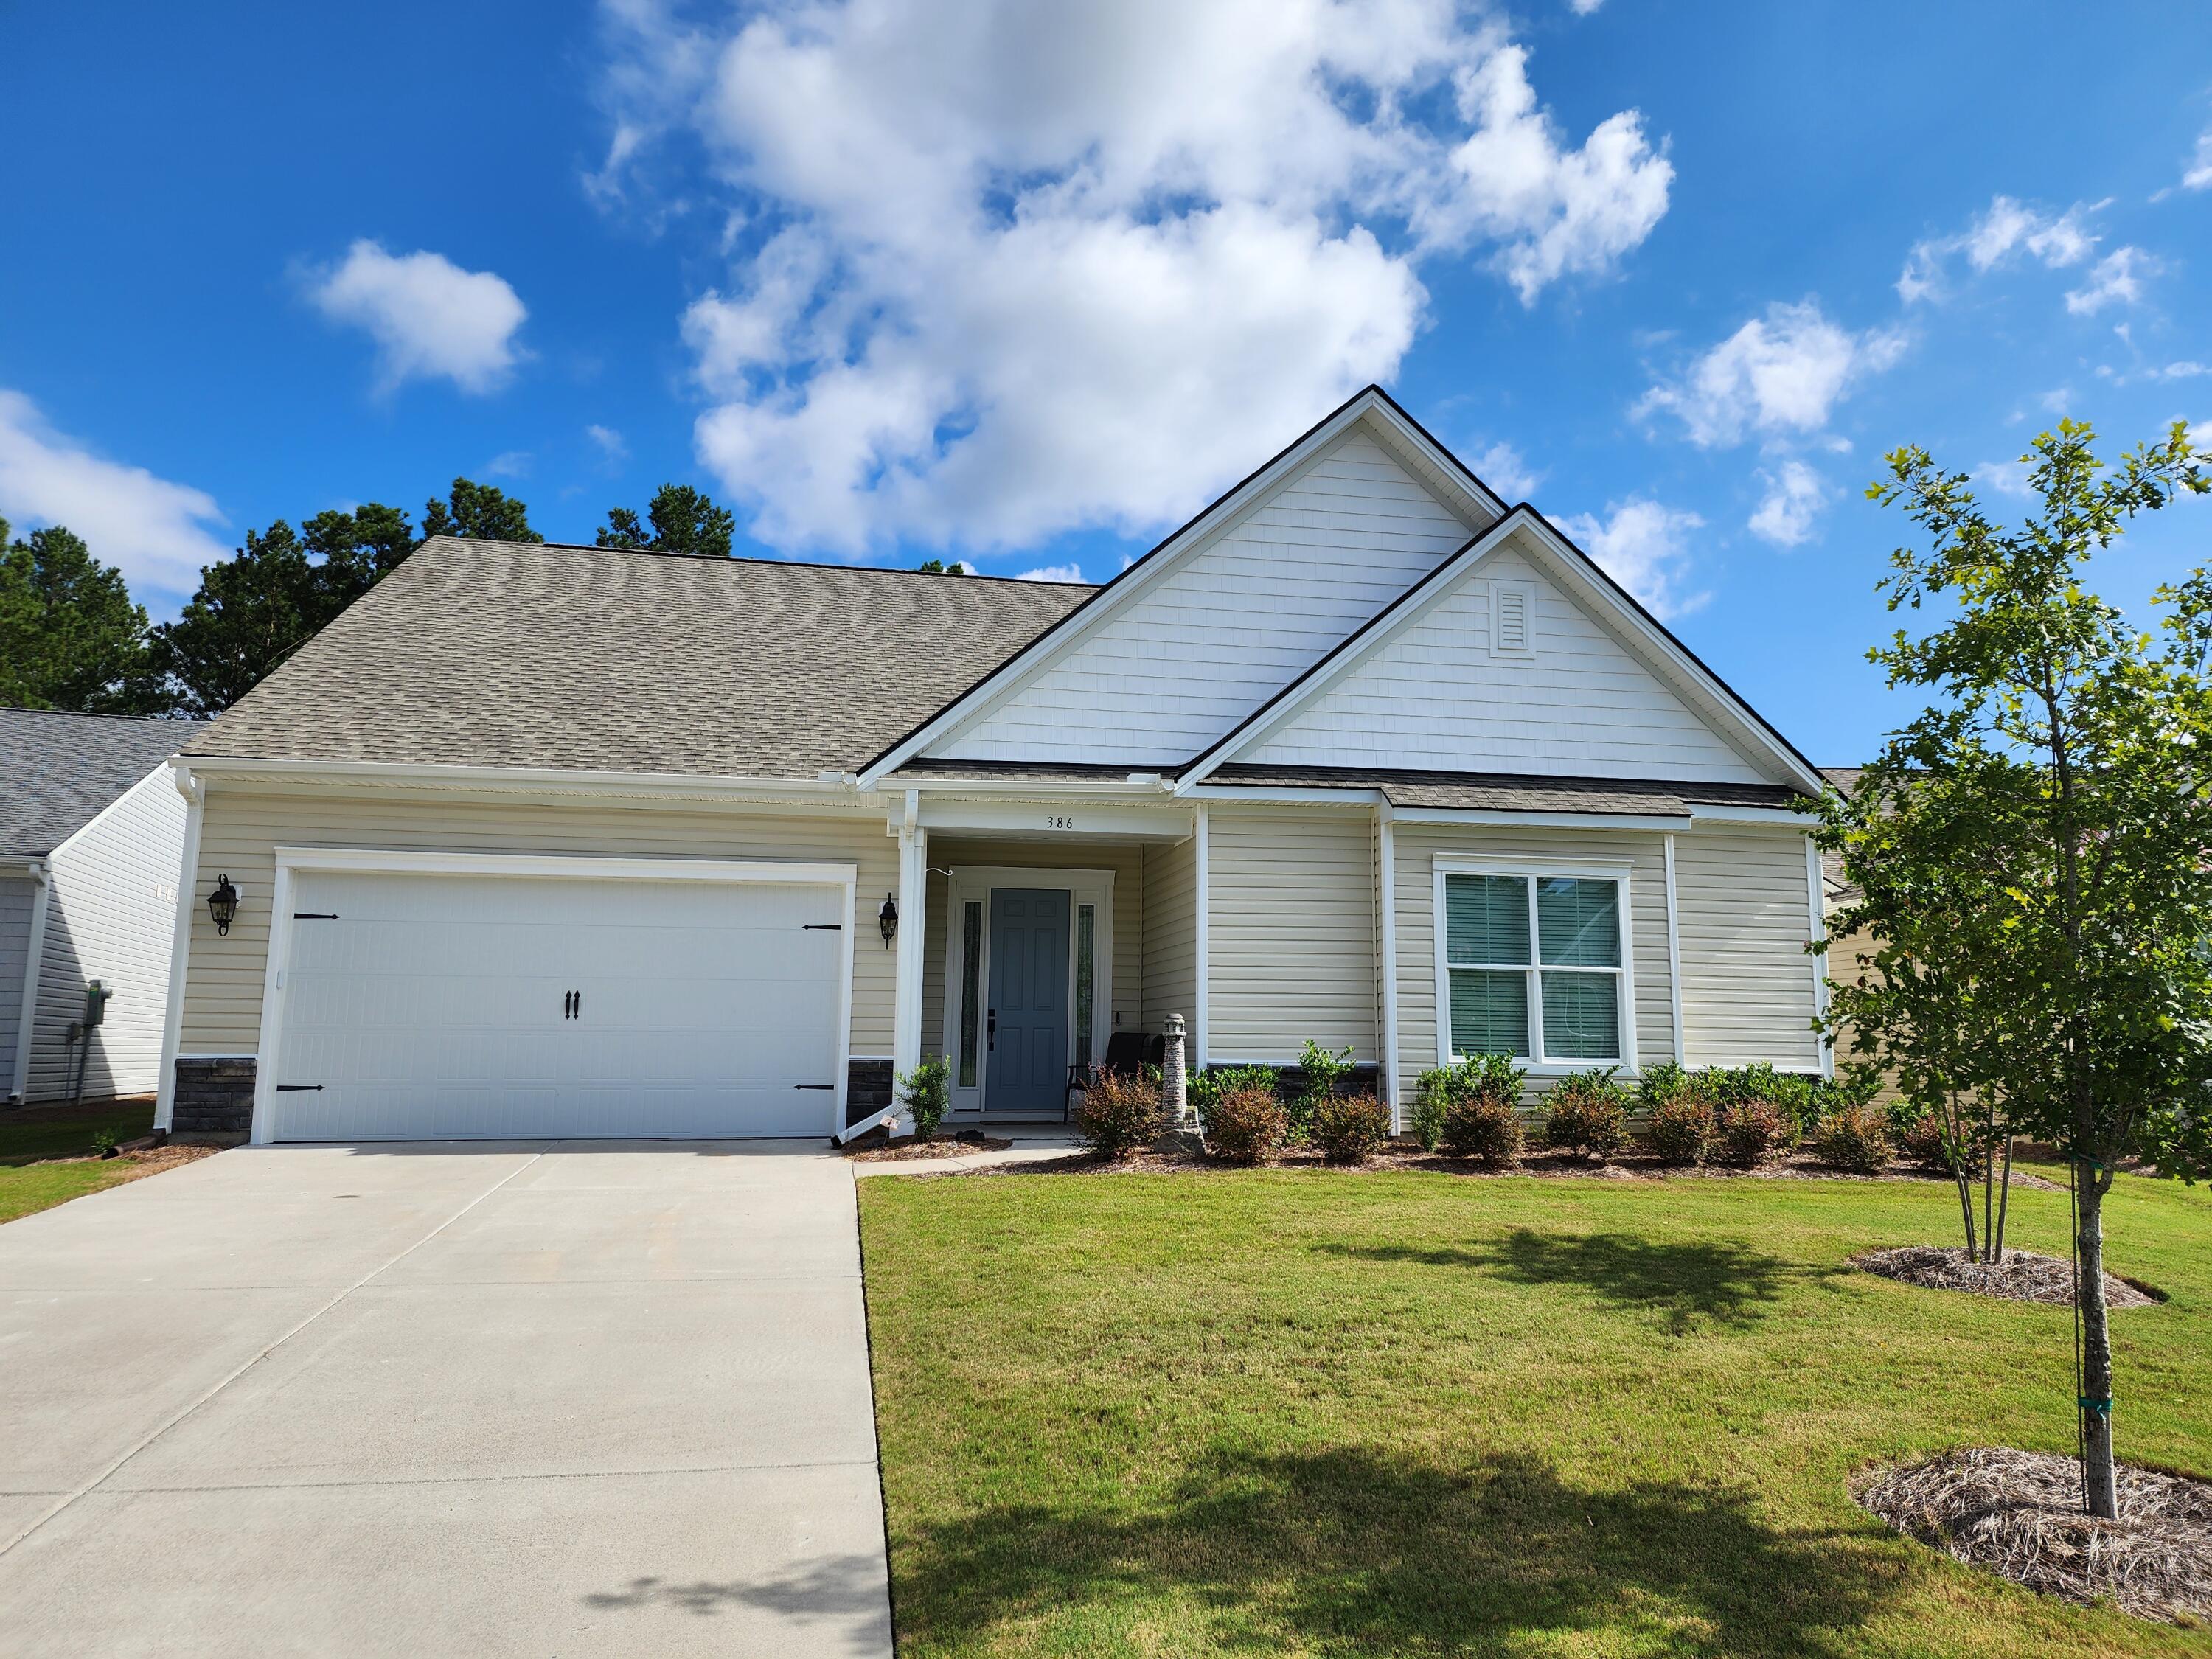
[(1035, 951)]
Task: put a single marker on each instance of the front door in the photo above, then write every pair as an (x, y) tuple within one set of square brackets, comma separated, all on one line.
[(1028, 1007)]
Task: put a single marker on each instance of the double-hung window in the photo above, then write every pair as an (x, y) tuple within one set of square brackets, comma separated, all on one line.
[(1535, 965)]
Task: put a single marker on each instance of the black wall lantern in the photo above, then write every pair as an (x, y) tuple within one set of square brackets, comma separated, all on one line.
[(887, 919), (222, 903)]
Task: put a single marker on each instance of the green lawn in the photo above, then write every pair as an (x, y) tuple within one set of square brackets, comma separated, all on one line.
[(1410, 1414), (30, 1133)]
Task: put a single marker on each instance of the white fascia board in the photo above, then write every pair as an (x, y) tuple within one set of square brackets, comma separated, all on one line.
[(1282, 796), (522, 779), (36, 868), (1778, 815), (1389, 623), (1442, 473), (567, 866), (1020, 788), (1168, 821)]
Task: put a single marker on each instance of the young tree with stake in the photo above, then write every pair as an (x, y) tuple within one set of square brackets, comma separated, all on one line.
[(2035, 850)]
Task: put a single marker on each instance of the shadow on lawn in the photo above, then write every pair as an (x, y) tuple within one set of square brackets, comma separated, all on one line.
[(1722, 1282), (1368, 1551)]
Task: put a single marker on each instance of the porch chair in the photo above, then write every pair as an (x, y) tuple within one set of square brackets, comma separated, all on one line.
[(1128, 1053)]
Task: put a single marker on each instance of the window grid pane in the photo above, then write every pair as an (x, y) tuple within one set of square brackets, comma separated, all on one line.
[(1582, 1016), (971, 966), (1489, 1012), (1487, 920), (1579, 922)]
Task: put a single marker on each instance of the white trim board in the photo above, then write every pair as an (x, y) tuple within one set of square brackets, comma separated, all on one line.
[(390, 861)]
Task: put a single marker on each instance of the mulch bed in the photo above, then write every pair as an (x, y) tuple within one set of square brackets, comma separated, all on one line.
[(2019, 1515), (2023, 1275), (1631, 1165), (874, 1148)]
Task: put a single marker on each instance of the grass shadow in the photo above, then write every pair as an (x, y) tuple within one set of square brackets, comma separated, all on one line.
[(1367, 1551), (1720, 1282)]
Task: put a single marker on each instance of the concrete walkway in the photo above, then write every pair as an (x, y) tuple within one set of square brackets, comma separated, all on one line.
[(1030, 1146), (579, 1399)]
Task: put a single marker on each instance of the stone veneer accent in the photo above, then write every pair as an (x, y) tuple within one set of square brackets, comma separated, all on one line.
[(214, 1096), (867, 1088)]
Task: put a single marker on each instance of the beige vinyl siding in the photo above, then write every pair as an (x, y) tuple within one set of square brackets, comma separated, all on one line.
[(1433, 697), (240, 829), (111, 916), (1417, 845), (1170, 941), (1746, 917), (1124, 858), (1242, 616), (17, 894), (1290, 932)]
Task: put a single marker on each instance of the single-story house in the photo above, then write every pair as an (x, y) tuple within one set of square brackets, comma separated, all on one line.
[(91, 838), (541, 841)]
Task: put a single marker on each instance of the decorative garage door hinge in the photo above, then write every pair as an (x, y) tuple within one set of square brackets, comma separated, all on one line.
[(814, 1085), (314, 915), (821, 927), (298, 1088)]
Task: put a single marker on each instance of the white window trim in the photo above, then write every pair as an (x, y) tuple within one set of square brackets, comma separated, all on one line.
[(967, 883), (1619, 871)]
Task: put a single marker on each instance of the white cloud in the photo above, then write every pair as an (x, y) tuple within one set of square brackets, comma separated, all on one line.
[(1795, 496), (155, 531), (1583, 7), (2009, 227), (1779, 375), (1642, 546), (427, 316), (510, 464), (1007, 268), (1053, 573), (1501, 467), (2116, 279), (609, 442), (2006, 477), (2198, 174)]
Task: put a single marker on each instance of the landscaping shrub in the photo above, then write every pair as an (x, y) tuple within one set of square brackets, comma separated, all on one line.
[(1484, 1128), (1660, 1083), (1854, 1137), (924, 1091), (1588, 1114), (1119, 1115), (1248, 1125), (1323, 1074), (1752, 1132), (1788, 1094), (1683, 1130), (1351, 1128), (1919, 1137), (1432, 1101), (1205, 1089)]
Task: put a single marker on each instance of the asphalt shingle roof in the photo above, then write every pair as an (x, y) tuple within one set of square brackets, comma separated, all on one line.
[(1516, 792), (500, 653), (58, 771)]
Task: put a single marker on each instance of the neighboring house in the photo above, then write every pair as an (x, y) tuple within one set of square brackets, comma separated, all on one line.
[(544, 840), (92, 833)]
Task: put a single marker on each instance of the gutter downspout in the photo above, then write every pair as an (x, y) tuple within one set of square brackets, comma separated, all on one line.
[(1386, 857)]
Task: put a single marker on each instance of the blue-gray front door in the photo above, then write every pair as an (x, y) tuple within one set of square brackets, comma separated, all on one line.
[(1028, 1072)]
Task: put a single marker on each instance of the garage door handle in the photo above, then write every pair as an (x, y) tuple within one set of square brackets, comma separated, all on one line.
[(814, 1085)]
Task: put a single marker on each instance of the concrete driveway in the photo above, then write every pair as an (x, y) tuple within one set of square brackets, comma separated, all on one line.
[(574, 1399)]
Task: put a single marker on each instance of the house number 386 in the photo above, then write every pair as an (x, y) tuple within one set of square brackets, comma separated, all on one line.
[(1058, 821)]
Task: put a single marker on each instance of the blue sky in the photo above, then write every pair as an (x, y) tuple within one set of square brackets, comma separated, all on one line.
[(1026, 285)]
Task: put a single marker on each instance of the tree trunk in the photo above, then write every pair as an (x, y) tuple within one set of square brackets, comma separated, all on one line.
[(2004, 1201), (2098, 1480)]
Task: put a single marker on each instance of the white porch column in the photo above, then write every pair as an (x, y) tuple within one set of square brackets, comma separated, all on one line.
[(1198, 1057), (913, 903)]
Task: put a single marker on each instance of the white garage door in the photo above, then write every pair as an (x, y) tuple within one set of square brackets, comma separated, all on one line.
[(418, 1008)]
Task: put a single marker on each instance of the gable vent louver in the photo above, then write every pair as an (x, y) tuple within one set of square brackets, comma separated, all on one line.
[(1512, 619)]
